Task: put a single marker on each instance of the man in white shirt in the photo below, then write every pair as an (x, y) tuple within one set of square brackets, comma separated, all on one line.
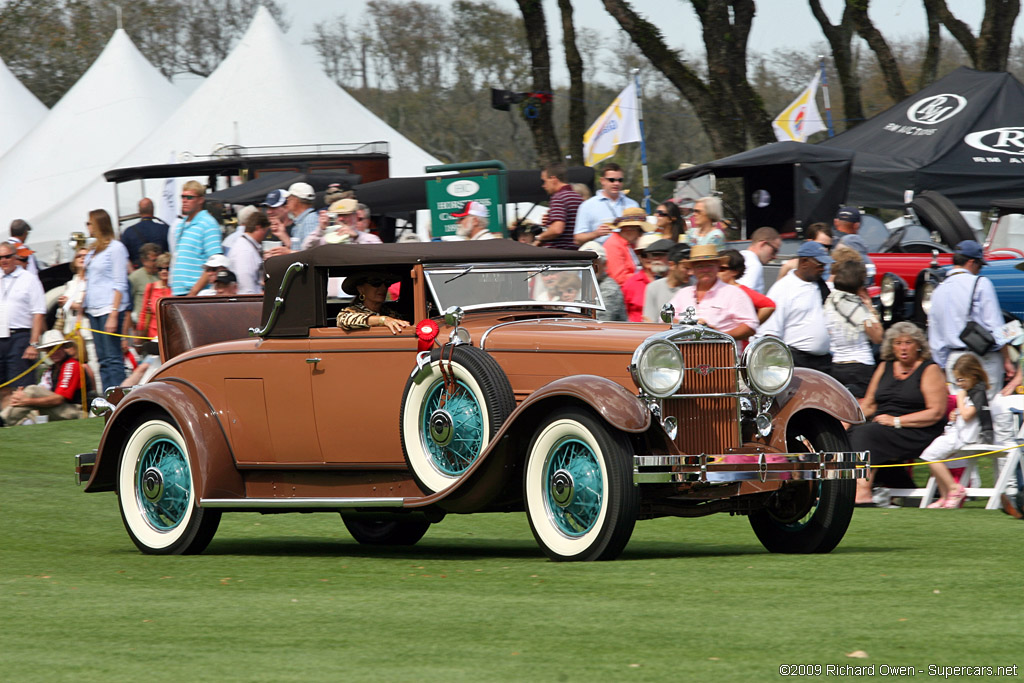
[(595, 216), (799, 318), (246, 258), (764, 245), (22, 319), (946, 321)]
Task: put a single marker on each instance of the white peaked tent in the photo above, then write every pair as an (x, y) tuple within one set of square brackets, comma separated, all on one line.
[(20, 111), (268, 92), (53, 177)]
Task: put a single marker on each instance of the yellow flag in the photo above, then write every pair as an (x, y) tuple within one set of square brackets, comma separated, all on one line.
[(619, 124), (801, 118)]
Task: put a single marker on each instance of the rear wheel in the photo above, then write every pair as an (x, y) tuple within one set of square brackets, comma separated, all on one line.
[(385, 531), (808, 516), (156, 491), (578, 488)]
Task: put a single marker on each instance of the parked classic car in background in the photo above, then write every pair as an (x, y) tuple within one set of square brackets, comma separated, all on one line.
[(523, 402)]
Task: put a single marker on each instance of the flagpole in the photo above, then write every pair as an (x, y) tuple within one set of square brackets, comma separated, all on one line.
[(643, 143), (824, 92)]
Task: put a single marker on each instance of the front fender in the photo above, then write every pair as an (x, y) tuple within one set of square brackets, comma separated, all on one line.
[(812, 390), (209, 451), (491, 474)]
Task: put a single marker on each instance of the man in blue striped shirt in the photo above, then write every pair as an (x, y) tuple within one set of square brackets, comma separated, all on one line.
[(196, 239)]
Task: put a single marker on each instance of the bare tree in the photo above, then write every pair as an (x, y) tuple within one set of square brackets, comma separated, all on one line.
[(990, 49), (541, 118), (574, 62), (730, 111), (840, 39), (886, 60)]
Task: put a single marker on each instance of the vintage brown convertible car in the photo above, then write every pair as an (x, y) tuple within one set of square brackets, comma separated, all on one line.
[(524, 401)]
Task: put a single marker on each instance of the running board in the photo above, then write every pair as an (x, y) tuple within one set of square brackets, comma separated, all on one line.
[(300, 503)]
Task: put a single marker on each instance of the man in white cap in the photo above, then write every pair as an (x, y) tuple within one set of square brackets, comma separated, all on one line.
[(474, 222), (58, 396), (280, 222), (300, 205)]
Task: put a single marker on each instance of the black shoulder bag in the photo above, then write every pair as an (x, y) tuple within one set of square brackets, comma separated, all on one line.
[(976, 337)]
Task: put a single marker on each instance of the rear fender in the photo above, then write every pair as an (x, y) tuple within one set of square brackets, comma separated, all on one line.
[(812, 390), (496, 475), (209, 452)]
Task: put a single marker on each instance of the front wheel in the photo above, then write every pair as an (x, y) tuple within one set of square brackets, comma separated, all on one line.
[(156, 492), (386, 531), (578, 488), (808, 516)]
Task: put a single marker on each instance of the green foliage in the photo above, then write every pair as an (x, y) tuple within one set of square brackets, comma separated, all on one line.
[(294, 598)]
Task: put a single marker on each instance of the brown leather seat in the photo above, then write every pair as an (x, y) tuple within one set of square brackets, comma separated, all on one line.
[(189, 322)]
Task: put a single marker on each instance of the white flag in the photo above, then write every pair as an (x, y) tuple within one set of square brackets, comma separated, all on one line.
[(800, 119), (619, 124), (167, 207)]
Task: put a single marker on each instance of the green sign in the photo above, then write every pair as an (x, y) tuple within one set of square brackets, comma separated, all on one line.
[(447, 195)]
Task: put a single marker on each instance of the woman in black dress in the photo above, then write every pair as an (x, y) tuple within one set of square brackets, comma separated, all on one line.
[(905, 404)]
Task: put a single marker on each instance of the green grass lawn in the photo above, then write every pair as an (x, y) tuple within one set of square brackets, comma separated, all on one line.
[(293, 597)]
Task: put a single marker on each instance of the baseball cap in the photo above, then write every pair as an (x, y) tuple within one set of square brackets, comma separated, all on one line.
[(275, 198), (217, 261), (816, 251), (657, 245), (849, 214), (225, 277), (971, 249), (303, 191), (473, 209)]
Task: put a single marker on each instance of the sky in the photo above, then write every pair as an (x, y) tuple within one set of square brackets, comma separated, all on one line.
[(785, 24)]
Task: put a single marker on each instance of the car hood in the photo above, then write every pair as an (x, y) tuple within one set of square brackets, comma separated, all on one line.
[(567, 334)]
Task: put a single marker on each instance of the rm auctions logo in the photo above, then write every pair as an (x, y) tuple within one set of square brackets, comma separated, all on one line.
[(935, 109), (1007, 140)]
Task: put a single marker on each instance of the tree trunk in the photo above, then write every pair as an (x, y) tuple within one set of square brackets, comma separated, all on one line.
[(990, 50), (839, 38), (730, 112), (930, 66), (541, 123), (577, 106), (886, 60)]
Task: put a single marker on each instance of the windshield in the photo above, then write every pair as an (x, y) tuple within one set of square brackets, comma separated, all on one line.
[(487, 285)]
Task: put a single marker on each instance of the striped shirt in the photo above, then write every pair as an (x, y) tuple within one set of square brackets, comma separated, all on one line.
[(195, 241), (563, 206)]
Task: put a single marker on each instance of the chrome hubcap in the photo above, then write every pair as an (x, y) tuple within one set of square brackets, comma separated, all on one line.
[(441, 427), (563, 489), (153, 485)]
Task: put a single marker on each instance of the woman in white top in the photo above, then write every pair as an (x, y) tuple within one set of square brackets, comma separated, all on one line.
[(852, 326), (70, 313)]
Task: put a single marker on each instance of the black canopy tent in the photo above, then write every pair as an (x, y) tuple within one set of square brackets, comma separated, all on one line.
[(961, 136), (786, 184), (256, 190)]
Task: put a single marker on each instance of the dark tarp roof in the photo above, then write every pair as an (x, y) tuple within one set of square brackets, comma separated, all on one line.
[(256, 190), (804, 183), (961, 136), (305, 295)]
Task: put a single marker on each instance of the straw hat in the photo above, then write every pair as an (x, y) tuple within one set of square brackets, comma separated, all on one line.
[(703, 253), (50, 339), (636, 217)]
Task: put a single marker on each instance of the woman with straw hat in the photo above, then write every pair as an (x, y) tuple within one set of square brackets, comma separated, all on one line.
[(620, 247), (718, 305)]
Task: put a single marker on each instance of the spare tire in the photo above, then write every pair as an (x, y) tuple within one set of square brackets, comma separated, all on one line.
[(941, 215)]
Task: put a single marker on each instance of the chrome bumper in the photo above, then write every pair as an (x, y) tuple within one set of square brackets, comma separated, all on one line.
[(84, 463), (677, 469)]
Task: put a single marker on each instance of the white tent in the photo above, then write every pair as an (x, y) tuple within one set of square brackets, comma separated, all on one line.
[(20, 111), (53, 177), (268, 92)]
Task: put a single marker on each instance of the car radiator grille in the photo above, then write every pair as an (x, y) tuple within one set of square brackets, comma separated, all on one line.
[(706, 425)]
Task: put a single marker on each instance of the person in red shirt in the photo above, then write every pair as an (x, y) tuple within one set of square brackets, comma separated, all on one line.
[(620, 254), (653, 252), (733, 271), (59, 396)]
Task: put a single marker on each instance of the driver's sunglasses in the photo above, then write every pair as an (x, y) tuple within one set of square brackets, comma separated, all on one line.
[(376, 282)]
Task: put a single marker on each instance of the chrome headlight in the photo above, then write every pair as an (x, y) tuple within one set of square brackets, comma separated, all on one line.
[(887, 295), (926, 297), (768, 366), (657, 368)]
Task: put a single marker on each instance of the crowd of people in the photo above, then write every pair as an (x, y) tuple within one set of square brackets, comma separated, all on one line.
[(818, 304)]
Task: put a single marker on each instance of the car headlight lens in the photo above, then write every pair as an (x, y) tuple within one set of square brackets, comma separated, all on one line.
[(659, 369), (926, 297), (769, 366), (887, 294)]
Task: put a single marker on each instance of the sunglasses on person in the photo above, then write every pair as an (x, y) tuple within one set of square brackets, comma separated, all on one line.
[(189, 196), (610, 179), (3, 256), (659, 212), (162, 268), (376, 282)]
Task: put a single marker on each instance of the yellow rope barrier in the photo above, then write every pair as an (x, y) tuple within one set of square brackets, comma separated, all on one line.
[(34, 366), (123, 336), (930, 462)]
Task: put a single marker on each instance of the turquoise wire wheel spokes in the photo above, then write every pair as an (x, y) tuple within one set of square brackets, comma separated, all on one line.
[(163, 484), (578, 487), (446, 426), (453, 427), (156, 490), (575, 487)]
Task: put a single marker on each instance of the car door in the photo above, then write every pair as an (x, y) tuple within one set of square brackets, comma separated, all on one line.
[(358, 379)]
